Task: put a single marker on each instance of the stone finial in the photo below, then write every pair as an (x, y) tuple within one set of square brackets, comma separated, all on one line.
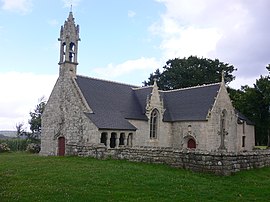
[(70, 16), (155, 82), (223, 76), (154, 101)]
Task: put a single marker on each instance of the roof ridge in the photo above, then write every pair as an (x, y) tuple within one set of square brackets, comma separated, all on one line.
[(192, 87), (143, 87), (109, 81)]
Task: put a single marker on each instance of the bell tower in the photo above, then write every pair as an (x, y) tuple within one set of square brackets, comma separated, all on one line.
[(69, 38)]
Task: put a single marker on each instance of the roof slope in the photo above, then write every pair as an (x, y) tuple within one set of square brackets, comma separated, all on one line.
[(190, 104), (242, 117), (113, 103)]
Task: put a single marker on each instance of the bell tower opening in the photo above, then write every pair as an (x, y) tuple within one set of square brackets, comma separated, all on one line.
[(71, 52), (69, 38)]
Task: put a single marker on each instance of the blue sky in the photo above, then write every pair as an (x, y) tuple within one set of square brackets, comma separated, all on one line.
[(125, 41)]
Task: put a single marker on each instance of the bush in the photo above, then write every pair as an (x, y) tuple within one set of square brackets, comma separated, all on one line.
[(4, 147), (16, 144), (33, 148)]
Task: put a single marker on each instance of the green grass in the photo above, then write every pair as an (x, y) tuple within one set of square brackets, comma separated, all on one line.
[(260, 147), (26, 177)]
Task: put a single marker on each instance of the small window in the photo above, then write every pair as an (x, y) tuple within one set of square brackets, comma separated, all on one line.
[(154, 123), (243, 141), (189, 129)]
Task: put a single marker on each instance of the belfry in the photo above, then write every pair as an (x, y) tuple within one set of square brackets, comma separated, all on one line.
[(69, 38)]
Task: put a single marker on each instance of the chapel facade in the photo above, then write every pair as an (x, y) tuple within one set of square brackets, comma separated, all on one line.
[(87, 111)]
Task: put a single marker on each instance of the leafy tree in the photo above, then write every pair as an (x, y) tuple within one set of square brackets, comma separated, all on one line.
[(254, 102), (35, 121), (262, 88), (191, 71), (20, 129)]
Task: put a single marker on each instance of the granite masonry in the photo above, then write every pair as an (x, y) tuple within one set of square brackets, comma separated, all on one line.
[(219, 163)]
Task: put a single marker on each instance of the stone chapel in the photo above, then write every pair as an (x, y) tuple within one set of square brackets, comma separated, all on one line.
[(87, 111)]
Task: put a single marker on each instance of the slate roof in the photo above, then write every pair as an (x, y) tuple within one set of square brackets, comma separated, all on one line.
[(190, 104), (113, 103), (242, 117)]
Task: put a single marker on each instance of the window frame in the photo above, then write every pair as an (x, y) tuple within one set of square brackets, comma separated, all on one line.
[(154, 119)]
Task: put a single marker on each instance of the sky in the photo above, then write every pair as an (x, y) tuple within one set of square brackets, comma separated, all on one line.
[(124, 41)]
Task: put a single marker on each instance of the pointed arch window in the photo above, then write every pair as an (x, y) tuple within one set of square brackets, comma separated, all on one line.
[(154, 123)]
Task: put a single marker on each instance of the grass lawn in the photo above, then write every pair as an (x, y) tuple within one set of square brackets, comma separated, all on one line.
[(261, 147), (26, 177)]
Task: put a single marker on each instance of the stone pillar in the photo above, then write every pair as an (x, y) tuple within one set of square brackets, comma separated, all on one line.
[(116, 140), (125, 140)]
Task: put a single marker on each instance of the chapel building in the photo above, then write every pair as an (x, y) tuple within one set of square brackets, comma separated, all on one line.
[(87, 111)]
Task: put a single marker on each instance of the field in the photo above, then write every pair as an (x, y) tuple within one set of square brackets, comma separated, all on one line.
[(26, 177)]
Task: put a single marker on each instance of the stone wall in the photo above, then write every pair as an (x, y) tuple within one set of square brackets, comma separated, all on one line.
[(225, 163), (248, 132)]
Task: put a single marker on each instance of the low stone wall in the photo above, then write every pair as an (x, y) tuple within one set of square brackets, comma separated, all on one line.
[(221, 163)]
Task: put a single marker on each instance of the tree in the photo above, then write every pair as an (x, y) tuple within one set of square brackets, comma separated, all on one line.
[(20, 130), (35, 121), (191, 71), (254, 102)]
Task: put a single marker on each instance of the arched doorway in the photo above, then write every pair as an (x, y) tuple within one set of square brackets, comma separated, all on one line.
[(191, 144), (61, 146)]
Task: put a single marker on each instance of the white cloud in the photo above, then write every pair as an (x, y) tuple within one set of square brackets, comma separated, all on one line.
[(20, 93), (21, 6), (131, 13), (68, 3), (190, 27), (242, 81), (185, 41), (234, 31), (128, 69)]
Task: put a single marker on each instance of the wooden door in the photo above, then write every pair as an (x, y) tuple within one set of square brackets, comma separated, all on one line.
[(191, 144), (61, 146)]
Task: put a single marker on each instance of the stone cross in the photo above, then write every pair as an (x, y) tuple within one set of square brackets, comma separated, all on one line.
[(222, 132)]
